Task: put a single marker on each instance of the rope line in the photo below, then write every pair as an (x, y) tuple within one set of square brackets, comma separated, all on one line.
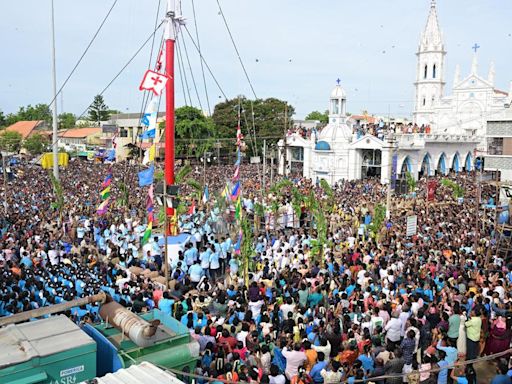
[(205, 63), (191, 73), (236, 49), (202, 66), (84, 53), (180, 62)]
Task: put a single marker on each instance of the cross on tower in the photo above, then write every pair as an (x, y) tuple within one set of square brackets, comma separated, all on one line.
[(475, 47), (156, 80), (338, 81)]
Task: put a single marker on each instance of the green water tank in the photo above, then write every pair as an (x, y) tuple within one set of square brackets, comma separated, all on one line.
[(49, 351)]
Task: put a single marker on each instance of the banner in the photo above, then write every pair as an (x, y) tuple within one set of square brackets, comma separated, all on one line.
[(431, 190), (412, 225)]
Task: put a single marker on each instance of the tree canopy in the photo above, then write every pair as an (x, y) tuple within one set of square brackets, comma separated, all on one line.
[(35, 144), (195, 133), (10, 141), (37, 112), (316, 115), (98, 111), (67, 120)]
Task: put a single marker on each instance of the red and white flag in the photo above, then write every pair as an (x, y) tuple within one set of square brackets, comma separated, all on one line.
[(154, 81)]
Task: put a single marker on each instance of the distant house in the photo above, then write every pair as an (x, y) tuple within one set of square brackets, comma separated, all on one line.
[(28, 128), (80, 136)]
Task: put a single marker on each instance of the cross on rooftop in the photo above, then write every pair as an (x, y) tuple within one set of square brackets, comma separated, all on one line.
[(338, 81), (475, 47)]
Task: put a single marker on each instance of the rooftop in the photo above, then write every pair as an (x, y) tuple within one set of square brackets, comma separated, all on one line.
[(78, 133), (25, 128)]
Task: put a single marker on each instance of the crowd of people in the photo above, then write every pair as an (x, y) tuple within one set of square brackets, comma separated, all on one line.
[(368, 304)]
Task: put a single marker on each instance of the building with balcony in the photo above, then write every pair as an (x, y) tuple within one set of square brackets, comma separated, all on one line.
[(498, 156)]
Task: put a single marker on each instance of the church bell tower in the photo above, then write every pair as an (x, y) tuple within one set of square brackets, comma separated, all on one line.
[(430, 82)]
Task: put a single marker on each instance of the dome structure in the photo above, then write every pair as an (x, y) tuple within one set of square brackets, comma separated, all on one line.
[(322, 146), (338, 93)]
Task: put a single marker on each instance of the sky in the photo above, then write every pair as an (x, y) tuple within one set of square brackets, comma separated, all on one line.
[(292, 49)]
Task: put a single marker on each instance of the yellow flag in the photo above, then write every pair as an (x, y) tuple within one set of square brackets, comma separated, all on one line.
[(152, 152)]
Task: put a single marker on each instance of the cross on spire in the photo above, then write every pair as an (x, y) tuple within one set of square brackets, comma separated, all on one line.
[(475, 47), (338, 81)]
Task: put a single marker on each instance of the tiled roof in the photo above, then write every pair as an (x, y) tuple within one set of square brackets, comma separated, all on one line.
[(78, 133), (25, 128)]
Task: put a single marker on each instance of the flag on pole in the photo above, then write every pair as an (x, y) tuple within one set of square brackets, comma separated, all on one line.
[(107, 182), (146, 176), (152, 152), (238, 208), (192, 208), (102, 208), (153, 81), (148, 134), (236, 191), (225, 191), (105, 194), (238, 158), (147, 233), (238, 244), (206, 194)]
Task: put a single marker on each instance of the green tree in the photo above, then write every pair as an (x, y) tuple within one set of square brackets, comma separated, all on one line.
[(67, 120), (195, 133), (10, 141), (315, 115), (37, 112), (98, 111), (35, 144), (269, 119)]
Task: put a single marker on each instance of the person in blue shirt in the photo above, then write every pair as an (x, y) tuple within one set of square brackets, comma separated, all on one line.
[(165, 303), (366, 360), (317, 368)]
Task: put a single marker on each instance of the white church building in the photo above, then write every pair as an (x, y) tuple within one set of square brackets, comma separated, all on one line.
[(457, 127)]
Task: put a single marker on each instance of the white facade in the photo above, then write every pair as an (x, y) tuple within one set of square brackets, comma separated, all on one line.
[(474, 98), (337, 153)]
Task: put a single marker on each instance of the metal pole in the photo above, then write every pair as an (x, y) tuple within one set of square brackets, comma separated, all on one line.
[(264, 163), (166, 226), (5, 181), (285, 148), (170, 39), (54, 104), (390, 173), (35, 313)]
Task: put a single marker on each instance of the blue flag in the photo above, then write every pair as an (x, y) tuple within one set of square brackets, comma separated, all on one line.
[(206, 194), (146, 176), (149, 134), (238, 158)]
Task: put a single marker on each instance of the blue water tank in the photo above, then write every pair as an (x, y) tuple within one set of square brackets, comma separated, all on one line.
[(322, 146)]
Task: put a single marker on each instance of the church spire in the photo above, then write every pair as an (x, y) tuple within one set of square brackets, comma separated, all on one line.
[(432, 38)]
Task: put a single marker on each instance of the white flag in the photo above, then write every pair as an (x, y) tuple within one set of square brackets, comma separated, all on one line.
[(154, 81)]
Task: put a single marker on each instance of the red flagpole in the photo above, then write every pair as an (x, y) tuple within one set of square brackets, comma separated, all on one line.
[(169, 115)]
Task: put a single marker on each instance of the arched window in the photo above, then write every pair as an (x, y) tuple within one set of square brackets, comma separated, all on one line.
[(434, 71), (424, 101), (425, 70)]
